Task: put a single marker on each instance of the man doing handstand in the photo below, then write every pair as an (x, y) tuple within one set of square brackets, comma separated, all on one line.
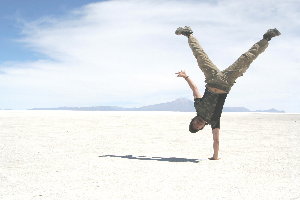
[(218, 83)]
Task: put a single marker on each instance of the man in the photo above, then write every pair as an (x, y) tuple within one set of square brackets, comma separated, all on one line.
[(218, 83)]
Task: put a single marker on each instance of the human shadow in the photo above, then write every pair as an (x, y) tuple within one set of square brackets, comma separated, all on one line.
[(170, 159)]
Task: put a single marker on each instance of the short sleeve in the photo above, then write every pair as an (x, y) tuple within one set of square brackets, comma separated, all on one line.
[(215, 124), (197, 101)]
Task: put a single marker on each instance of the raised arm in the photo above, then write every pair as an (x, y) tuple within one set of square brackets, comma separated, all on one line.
[(192, 85)]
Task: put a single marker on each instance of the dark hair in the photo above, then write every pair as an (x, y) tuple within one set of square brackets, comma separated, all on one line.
[(191, 127)]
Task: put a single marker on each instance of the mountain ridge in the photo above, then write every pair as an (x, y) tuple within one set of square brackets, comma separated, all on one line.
[(178, 105)]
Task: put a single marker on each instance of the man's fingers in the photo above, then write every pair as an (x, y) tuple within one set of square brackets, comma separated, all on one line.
[(179, 74)]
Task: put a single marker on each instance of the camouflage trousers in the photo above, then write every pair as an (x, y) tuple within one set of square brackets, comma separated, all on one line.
[(225, 79)]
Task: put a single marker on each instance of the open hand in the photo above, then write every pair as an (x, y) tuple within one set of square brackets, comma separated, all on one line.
[(181, 74)]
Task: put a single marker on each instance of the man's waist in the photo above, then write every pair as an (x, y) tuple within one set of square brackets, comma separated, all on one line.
[(218, 88)]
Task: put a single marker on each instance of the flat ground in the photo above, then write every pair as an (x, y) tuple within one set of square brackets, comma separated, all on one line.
[(146, 155)]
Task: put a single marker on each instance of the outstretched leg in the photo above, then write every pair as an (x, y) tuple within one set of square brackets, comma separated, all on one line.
[(239, 67), (204, 63)]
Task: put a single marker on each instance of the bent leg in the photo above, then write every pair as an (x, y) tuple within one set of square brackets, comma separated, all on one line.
[(239, 67), (204, 63)]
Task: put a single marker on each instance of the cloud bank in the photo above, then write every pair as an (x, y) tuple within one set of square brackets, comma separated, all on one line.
[(126, 53)]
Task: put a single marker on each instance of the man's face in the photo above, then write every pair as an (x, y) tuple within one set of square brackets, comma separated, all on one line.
[(198, 123)]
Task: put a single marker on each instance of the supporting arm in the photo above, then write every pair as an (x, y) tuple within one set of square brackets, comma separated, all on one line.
[(216, 138)]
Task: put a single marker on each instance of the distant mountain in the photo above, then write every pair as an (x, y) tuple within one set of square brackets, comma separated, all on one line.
[(179, 105), (271, 110), (235, 109), (93, 108)]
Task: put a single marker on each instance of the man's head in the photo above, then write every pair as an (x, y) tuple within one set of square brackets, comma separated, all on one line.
[(197, 123)]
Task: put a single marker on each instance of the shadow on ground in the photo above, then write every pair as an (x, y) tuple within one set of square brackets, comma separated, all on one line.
[(171, 159)]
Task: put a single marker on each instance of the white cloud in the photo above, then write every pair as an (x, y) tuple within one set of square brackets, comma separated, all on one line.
[(126, 51)]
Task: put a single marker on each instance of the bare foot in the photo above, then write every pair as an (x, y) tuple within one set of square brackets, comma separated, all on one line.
[(212, 158)]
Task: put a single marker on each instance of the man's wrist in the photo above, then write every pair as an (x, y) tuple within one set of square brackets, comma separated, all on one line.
[(186, 77)]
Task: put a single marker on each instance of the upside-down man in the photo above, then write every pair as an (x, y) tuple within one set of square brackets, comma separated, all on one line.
[(218, 83)]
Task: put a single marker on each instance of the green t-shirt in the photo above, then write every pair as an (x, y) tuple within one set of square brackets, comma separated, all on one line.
[(210, 107)]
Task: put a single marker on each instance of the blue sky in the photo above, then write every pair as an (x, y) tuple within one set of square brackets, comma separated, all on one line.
[(125, 53), (14, 12)]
